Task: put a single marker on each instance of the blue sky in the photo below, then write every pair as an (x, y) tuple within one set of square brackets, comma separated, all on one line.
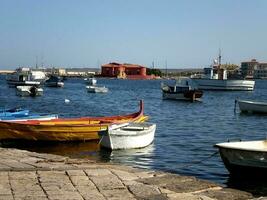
[(86, 33)]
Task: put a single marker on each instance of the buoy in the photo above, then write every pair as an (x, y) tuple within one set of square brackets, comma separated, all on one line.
[(67, 100)]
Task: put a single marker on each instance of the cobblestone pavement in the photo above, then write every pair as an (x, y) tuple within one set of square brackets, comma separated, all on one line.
[(28, 175)]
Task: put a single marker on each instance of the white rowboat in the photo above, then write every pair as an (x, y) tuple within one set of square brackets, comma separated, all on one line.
[(252, 106), (128, 136), (245, 157)]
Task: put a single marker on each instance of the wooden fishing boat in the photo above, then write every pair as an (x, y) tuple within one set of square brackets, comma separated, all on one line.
[(127, 136), (252, 106), (245, 158), (69, 129)]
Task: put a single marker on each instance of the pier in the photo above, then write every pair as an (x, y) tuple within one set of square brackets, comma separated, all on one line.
[(30, 175)]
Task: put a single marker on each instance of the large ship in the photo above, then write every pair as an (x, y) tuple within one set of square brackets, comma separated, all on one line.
[(215, 78)]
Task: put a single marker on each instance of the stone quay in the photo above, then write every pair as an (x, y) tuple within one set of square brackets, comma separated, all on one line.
[(28, 175)]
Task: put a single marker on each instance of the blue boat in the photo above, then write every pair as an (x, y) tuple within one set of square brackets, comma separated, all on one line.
[(14, 112), (18, 114), (29, 117)]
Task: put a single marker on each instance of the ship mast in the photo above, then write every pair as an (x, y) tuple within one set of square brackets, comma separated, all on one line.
[(220, 59)]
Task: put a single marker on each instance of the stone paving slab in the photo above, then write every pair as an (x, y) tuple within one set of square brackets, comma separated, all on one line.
[(32, 175)]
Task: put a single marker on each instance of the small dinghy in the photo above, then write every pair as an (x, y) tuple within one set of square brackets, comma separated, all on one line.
[(14, 112), (96, 89), (26, 90), (252, 106), (29, 117), (127, 136), (247, 158)]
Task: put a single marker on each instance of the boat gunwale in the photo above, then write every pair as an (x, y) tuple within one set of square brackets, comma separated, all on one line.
[(225, 146), (102, 120), (258, 103)]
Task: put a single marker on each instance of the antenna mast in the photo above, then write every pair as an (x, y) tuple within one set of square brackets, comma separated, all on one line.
[(220, 58)]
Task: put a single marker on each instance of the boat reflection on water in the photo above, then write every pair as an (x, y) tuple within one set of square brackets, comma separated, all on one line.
[(72, 149), (142, 158)]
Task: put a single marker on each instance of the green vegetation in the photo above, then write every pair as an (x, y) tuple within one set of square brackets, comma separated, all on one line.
[(156, 72)]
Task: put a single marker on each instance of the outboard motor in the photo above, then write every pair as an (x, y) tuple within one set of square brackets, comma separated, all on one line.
[(33, 91)]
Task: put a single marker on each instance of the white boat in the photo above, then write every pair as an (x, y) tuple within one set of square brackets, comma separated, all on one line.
[(247, 158), (183, 89), (25, 76), (252, 106), (28, 90), (96, 89), (231, 85), (90, 81), (128, 136), (215, 78)]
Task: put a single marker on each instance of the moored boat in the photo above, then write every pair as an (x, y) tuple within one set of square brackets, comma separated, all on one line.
[(245, 158), (230, 85), (91, 81), (54, 81), (127, 136), (25, 76), (27, 90), (215, 78), (29, 117), (96, 89), (252, 106), (182, 90), (14, 112), (68, 129)]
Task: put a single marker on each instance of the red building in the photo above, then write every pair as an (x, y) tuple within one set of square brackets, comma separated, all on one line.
[(129, 71)]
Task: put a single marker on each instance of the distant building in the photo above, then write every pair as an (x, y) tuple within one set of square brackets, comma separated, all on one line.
[(248, 67), (261, 71), (129, 71), (253, 69)]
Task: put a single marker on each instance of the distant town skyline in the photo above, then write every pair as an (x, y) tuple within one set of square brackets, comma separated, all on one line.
[(176, 33)]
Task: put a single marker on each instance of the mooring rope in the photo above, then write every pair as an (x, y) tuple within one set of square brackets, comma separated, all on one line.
[(199, 161)]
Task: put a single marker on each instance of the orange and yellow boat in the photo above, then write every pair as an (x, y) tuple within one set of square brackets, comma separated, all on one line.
[(65, 129)]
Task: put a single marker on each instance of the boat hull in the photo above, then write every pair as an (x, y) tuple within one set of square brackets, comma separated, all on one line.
[(123, 139), (232, 85), (29, 117), (25, 91), (252, 106), (54, 84), (72, 129), (242, 161), (96, 89), (186, 96), (21, 83), (15, 112)]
